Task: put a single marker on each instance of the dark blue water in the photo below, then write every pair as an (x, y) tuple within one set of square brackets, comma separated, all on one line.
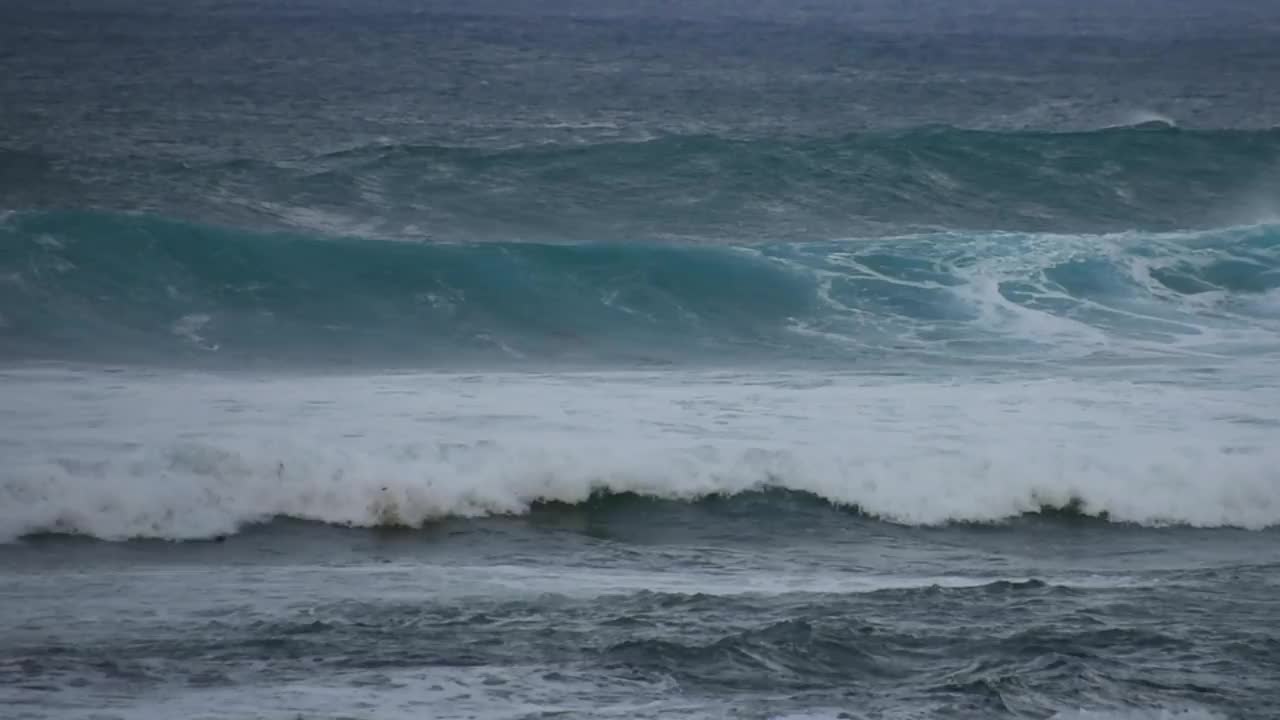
[(394, 359)]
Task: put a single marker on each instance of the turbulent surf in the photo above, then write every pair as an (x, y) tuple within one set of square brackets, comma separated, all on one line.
[(615, 359)]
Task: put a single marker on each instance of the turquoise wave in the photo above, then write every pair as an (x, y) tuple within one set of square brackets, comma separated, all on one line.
[(120, 287)]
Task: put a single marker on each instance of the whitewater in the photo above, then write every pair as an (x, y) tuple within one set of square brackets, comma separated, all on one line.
[(952, 377), (201, 456)]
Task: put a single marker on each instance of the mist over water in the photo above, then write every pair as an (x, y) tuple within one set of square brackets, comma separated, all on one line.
[(763, 360)]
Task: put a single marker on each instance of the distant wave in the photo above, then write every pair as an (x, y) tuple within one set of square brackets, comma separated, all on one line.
[(1147, 173), (125, 288)]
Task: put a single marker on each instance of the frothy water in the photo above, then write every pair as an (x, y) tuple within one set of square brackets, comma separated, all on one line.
[(199, 456)]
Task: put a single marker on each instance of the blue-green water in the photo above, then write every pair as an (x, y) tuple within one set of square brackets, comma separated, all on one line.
[(809, 360), (90, 286)]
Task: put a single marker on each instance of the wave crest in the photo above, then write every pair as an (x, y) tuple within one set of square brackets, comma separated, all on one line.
[(193, 490)]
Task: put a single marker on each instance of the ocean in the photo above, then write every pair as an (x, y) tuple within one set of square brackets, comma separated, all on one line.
[(381, 359)]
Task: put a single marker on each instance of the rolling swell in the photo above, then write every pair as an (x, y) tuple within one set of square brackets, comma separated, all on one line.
[(138, 288), (694, 187)]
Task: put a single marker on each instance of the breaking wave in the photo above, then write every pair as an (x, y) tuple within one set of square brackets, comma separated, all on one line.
[(193, 490), (104, 287)]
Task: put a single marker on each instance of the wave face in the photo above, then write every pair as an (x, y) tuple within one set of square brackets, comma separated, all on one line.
[(703, 187), (87, 286)]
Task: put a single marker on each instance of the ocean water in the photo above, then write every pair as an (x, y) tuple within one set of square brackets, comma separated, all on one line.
[(396, 359)]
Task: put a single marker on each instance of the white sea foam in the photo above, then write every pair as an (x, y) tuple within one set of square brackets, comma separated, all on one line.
[(192, 457), (1135, 118), (1010, 295), (188, 327)]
